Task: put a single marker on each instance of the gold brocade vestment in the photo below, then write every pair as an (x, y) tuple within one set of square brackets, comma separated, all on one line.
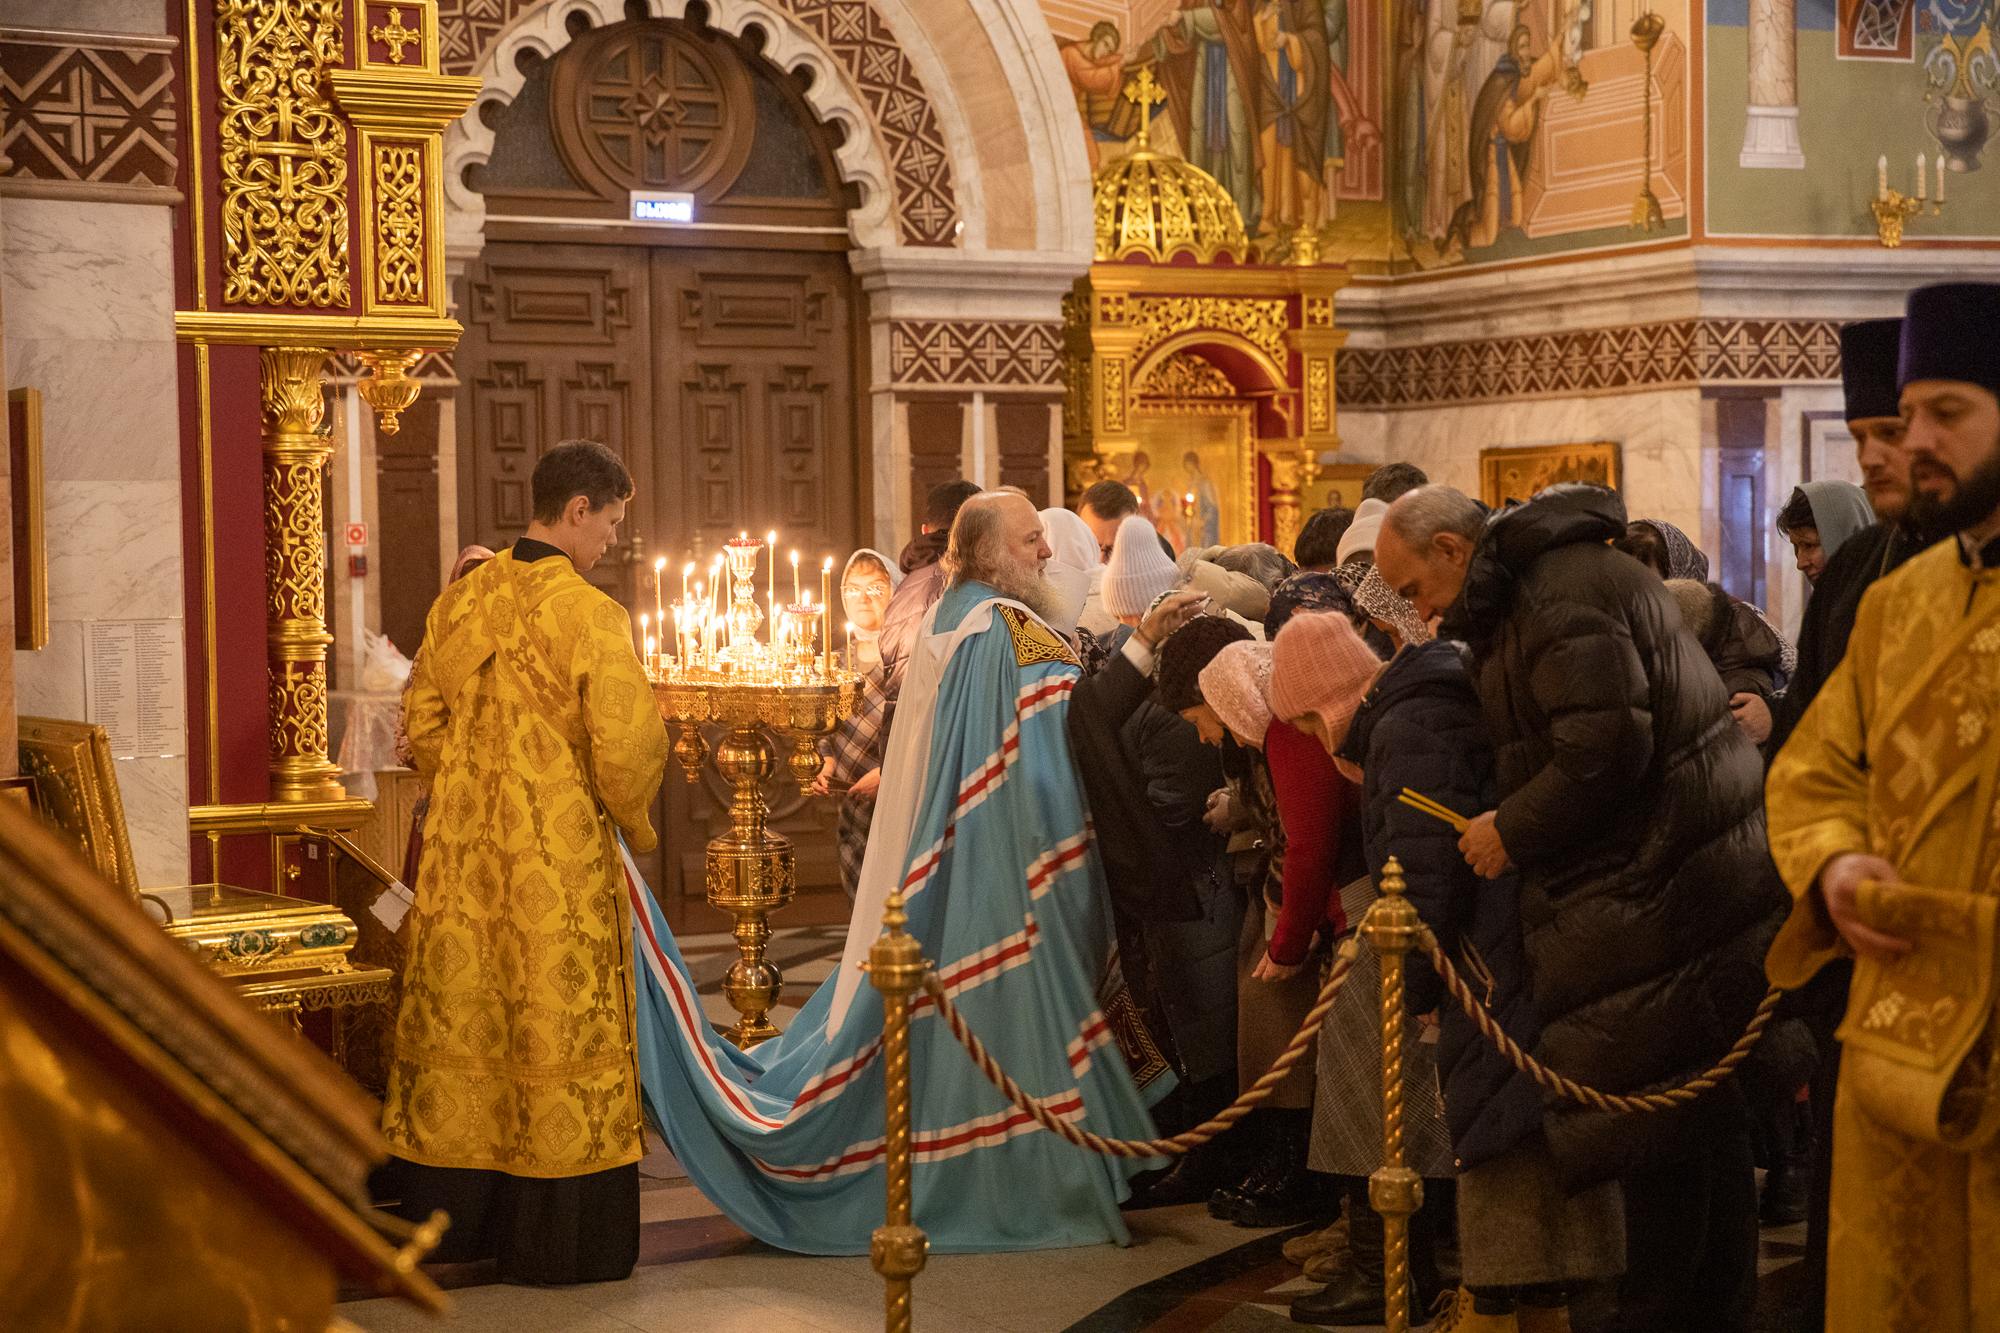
[(1898, 757), (533, 720)]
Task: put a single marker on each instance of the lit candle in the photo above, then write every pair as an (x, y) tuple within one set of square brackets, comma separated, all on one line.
[(771, 589), (1940, 165), (687, 572), (795, 578), (1922, 193), (641, 635), (649, 649), (1882, 176), (847, 643), (826, 611), (659, 595)]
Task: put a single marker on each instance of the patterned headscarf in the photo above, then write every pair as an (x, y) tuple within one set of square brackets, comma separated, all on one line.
[(1684, 559), (1378, 601), (1306, 592), (1237, 685)]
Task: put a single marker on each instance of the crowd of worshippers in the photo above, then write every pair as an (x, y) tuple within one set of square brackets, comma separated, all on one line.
[(1589, 718)]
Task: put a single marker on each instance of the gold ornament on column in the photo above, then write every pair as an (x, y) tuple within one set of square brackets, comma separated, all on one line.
[(1290, 474), (390, 390), (295, 457)]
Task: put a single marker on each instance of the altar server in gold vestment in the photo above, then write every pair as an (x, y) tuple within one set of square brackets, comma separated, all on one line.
[(1885, 820), (513, 1099)]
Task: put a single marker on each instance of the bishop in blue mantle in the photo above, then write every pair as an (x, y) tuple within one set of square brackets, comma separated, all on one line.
[(983, 823)]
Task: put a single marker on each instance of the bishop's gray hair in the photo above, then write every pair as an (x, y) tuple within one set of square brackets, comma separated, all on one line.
[(968, 556), (1420, 515)]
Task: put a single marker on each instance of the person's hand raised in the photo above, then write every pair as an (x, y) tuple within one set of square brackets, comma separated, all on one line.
[(1174, 610), (1481, 848)]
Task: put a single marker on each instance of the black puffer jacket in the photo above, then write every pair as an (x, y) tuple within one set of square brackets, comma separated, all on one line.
[(1420, 728), (1632, 803)]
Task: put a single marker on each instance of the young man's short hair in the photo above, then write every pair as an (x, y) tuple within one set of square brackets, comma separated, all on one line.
[(579, 467), (944, 500), (1109, 499)]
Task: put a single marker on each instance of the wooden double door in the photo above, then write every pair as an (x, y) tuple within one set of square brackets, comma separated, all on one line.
[(724, 378)]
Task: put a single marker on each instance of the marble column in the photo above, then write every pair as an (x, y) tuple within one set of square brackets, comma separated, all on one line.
[(1771, 132), (89, 298)]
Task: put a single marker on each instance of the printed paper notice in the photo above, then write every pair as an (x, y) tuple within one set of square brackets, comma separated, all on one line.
[(134, 675)]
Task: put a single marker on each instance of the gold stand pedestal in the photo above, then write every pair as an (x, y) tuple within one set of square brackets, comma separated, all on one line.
[(283, 955), (750, 868)]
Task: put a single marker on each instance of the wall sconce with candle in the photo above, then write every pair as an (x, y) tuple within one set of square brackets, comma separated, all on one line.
[(1891, 208)]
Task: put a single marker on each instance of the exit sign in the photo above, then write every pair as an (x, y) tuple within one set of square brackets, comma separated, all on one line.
[(662, 206)]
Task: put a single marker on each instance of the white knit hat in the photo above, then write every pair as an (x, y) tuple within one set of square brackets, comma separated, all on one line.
[(1361, 533), (1138, 571)]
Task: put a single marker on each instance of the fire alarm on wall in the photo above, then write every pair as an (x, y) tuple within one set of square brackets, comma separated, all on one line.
[(357, 534)]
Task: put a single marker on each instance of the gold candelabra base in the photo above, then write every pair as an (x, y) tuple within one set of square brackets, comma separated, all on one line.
[(751, 871), (1892, 209)]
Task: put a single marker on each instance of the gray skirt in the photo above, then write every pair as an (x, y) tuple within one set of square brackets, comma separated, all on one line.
[(1516, 1227), (1347, 1110)]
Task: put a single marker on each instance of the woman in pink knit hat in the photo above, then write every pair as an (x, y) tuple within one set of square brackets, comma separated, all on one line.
[(1307, 809), (1524, 1243)]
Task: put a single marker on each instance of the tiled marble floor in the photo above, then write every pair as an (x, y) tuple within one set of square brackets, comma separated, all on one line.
[(1184, 1273)]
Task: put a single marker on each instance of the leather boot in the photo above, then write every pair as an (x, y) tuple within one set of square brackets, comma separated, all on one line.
[(1250, 1139), (1285, 1193), (1542, 1318), (1453, 1313), (1359, 1299), (1195, 1176), (1356, 1300)]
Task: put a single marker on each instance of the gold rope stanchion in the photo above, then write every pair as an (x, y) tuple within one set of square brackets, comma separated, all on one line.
[(1391, 929), (896, 968)]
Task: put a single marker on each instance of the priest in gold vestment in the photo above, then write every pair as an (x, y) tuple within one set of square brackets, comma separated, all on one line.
[(513, 1098), (1885, 821)]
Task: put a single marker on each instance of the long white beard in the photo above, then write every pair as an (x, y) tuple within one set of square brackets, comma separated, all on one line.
[(1030, 587)]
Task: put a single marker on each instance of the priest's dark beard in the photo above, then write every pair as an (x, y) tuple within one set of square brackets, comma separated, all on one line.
[(1977, 496)]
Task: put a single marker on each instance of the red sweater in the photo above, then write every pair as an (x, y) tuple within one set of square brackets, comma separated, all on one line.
[(1314, 801)]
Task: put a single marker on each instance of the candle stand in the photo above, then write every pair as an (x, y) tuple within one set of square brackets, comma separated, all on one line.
[(750, 868)]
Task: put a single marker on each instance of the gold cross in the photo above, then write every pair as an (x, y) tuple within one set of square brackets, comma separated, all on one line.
[(1145, 92), (396, 36)]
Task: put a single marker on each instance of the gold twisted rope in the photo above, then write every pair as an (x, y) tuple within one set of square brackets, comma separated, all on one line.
[(1179, 1143), (1287, 1058), (1570, 1088)]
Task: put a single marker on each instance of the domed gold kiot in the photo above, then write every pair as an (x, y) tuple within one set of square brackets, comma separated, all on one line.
[(1160, 206)]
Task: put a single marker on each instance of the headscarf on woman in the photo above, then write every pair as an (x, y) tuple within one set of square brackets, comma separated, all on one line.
[(1684, 559), (1237, 685), (1840, 509), (1073, 555)]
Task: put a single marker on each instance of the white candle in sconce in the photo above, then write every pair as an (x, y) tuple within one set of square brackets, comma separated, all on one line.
[(1882, 176), (1922, 166), (1940, 175)]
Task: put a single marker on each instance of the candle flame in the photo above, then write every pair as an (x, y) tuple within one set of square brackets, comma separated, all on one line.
[(795, 557), (660, 564), (827, 568), (688, 570)]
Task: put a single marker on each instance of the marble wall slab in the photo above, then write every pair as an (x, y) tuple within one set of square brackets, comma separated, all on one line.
[(88, 293)]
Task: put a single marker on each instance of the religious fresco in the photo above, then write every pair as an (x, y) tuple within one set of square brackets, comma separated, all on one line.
[(1405, 134), (1925, 68)]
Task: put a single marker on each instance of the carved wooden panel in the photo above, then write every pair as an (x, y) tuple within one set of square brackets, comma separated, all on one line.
[(556, 348), (725, 378)]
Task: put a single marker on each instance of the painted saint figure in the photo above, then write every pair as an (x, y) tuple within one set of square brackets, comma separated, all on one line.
[(1207, 502)]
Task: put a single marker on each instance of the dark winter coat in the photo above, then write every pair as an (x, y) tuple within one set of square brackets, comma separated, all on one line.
[(1420, 728), (1632, 804), (1743, 649)]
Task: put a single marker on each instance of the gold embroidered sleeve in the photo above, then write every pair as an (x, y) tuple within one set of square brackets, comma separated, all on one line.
[(426, 716), (1816, 802), (628, 741)]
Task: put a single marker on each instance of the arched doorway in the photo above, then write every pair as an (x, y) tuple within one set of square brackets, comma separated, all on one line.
[(718, 356)]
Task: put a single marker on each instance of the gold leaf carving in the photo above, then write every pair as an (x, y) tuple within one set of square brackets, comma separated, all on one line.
[(1114, 395), (1185, 375), (399, 223), (1319, 394), (283, 153), (1260, 322)]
